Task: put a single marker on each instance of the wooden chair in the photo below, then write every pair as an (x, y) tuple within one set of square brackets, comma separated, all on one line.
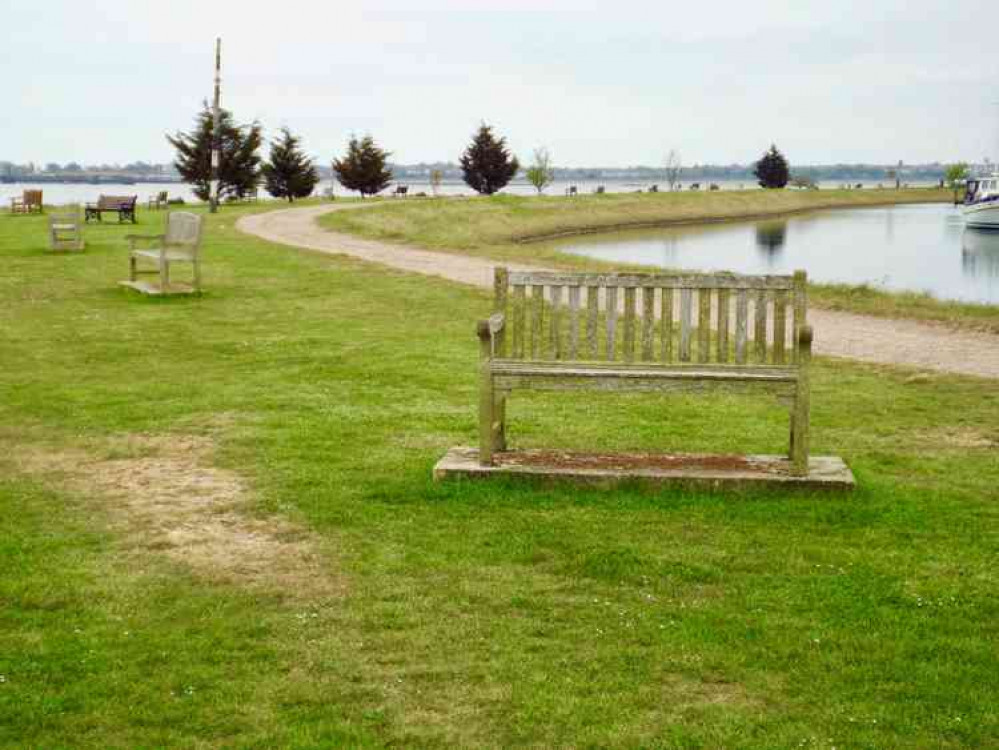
[(29, 202), (66, 228), (181, 243), (158, 201)]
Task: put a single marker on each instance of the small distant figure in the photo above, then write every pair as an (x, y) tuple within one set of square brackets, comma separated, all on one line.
[(599, 190), (571, 190), (695, 186), (654, 189), (713, 186)]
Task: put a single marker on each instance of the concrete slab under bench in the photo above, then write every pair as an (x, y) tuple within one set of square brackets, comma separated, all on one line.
[(694, 470)]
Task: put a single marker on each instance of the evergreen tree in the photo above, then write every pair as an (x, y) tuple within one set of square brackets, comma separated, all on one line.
[(289, 173), (772, 170), (364, 167), (486, 164), (239, 168)]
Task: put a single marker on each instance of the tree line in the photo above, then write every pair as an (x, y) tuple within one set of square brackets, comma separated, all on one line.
[(486, 164)]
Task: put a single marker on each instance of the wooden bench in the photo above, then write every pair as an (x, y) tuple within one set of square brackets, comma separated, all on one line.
[(65, 228), (180, 243), (158, 201), (123, 205), (29, 202), (400, 191), (645, 332)]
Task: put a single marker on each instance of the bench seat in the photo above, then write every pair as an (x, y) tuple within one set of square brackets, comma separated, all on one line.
[(557, 376)]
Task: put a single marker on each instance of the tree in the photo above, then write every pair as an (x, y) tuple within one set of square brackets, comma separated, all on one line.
[(289, 173), (486, 164), (772, 170), (436, 178), (364, 167), (672, 168), (541, 174), (955, 175), (239, 166)]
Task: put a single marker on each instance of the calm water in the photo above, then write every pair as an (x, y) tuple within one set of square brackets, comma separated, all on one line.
[(913, 248)]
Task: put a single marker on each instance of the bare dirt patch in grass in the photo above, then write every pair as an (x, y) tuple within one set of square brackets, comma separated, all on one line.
[(165, 494), (958, 437)]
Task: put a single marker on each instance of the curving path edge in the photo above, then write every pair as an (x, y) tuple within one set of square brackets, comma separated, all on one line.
[(889, 341)]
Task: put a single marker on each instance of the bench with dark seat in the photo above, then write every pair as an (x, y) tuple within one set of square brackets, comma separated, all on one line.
[(401, 191), (610, 332), (123, 205)]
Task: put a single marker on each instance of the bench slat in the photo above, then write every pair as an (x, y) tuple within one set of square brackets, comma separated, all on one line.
[(703, 325), (741, 315), (500, 283), (555, 320), (629, 324), (686, 313), (592, 318), (666, 324), (519, 318), (537, 320), (722, 326), (800, 307), (648, 323), (760, 332), (780, 327), (665, 281), (574, 322), (611, 314)]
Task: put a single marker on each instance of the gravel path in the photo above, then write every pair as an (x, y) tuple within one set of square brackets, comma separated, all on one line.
[(882, 340)]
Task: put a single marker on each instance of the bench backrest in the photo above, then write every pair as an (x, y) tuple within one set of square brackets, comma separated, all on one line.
[(116, 202), (32, 197), (183, 229), (724, 319)]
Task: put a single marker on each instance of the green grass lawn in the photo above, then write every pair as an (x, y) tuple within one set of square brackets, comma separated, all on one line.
[(514, 228), (462, 614)]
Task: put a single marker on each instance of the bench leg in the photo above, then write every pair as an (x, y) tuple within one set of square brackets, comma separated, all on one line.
[(164, 274), (799, 431), (132, 275), (487, 406), (499, 422)]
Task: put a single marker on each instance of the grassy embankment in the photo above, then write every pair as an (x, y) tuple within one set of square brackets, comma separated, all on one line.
[(456, 615), (509, 228)]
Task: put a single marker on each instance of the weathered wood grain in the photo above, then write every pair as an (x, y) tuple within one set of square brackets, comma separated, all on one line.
[(703, 325), (629, 324), (574, 322), (760, 330), (686, 315), (610, 313), (722, 326), (648, 323)]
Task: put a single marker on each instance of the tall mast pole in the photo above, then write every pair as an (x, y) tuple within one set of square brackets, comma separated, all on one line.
[(216, 131)]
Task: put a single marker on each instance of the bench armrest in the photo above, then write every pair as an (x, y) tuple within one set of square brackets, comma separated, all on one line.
[(488, 330)]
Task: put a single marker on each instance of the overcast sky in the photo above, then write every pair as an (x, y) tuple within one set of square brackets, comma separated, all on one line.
[(599, 83)]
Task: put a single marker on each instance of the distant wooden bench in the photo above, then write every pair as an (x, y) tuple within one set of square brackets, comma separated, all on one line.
[(123, 205), (29, 202), (66, 228), (180, 243), (645, 332), (400, 191), (158, 201)]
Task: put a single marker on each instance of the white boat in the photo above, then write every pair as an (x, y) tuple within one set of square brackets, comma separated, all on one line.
[(981, 202)]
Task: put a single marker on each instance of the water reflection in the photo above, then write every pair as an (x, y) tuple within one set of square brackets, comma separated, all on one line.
[(770, 239), (920, 248), (980, 253)]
